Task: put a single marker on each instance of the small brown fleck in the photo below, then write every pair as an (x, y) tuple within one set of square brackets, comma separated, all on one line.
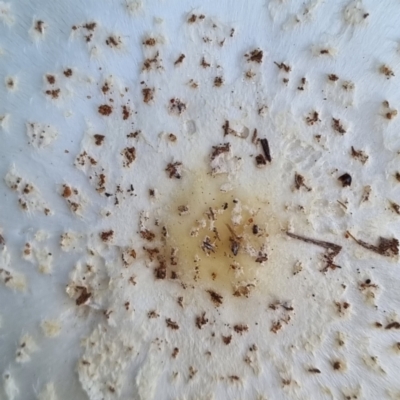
[(217, 150), (227, 339), (148, 94), (172, 137), (150, 42), (171, 324), (180, 59), (161, 271), (113, 41), (314, 370), (174, 170), (201, 320), (397, 176), (192, 18), (51, 79), (90, 26), (337, 126), (106, 236), (105, 110), (283, 66), (359, 155), (337, 365), (129, 154), (83, 297), (152, 314), (68, 72), (125, 112), (393, 325), (176, 106), (215, 297), (299, 182), (204, 63), (147, 235), (218, 81), (39, 26), (312, 118), (240, 328), (67, 192), (255, 56), (175, 352), (333, 77), (98, 139), (387, 71), (260, 160), (54, 93)]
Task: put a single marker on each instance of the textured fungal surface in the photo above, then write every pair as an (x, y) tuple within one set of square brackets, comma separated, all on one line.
[(199, 200)]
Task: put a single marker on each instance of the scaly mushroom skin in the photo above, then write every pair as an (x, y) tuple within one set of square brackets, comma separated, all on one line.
[(199, 200)]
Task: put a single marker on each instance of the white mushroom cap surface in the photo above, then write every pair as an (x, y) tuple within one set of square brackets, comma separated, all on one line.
[(199, 200)]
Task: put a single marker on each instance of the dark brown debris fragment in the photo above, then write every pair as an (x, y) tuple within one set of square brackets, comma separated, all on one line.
[(332, 249), (240, 328), (314, 370), (395, 207), (174, 170), (105, 110), (336, 365), (299, 182), (255, 55), (386, 247), (148, 95), (393, 325), (397, 176), (215, 297), (129, 154), (150, 42), (260, 160), (266, 150), (161, 271), (180, 59), (282, 66), (98, 139), (359, 155), (387, 71), (147, 235), (68, 72), (106, 236), (218, 81), (227, 339), (113, 41), (175, 352), (90, 26), (171, 324), (153, 314), (51, 79), (53, 93), (201, 320), (39, 26), (204, 63), (84, 295), (176, 106), (303, 81), (333, 77), (345, 179), (222, 148), (312, 118)]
